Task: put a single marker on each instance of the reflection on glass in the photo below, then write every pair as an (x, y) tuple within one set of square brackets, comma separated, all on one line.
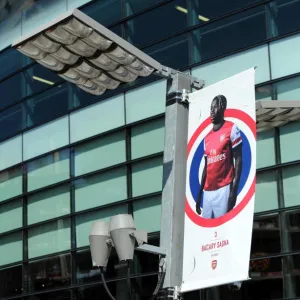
[(49, 238), (288, 89), (263, 92), (135, 6), (265, 236), (11, 282), (49, 273), (283, 17), (85, 272), (48, 170), (105, 12), (47, 105), (10, 61), (142, 29), (39, 78), (11, 121), (291, 182), (11, 183), (10, 215), (204, 11), (292, 241), (173, 52), (229, 34)]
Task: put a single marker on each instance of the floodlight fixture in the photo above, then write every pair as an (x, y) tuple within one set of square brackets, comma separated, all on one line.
[(125, 236), (100, 243), (85, 53), (275, 113)]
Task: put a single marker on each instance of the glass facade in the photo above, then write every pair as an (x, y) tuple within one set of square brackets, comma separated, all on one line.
[(68, 158)]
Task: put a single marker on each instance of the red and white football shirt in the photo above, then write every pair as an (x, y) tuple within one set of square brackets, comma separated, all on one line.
[(218, 147)]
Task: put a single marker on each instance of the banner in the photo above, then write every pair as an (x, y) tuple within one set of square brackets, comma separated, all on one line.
[(220, 185)]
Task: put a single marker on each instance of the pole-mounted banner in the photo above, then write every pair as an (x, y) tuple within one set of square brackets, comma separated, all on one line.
[(220, 183)]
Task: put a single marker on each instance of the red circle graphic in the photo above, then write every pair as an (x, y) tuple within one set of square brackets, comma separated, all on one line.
[(233, 113)]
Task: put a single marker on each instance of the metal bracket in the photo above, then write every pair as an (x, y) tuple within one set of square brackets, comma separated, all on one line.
[(167, 72), (151, 249)]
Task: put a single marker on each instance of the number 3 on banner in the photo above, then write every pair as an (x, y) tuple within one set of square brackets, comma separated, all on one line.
[(216, 234)]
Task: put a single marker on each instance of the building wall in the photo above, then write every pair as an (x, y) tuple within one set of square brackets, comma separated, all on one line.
[(68, 158)]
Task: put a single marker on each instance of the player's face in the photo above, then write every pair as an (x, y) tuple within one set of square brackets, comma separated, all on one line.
[(216, 112)]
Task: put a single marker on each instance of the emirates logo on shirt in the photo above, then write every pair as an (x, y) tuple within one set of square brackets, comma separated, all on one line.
[(216, 158), (222, 137)]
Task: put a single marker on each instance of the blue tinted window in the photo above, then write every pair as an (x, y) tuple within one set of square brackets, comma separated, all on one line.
[(47, 105), (10, 122), (105, 12), (156, 24), (230, 34), (283, 17), (10, 61), (11, 90), (172, 52), (134, 6), (39, 78), (204, 11)]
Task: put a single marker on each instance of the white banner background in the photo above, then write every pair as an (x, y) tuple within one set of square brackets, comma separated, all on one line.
[(202, 244)]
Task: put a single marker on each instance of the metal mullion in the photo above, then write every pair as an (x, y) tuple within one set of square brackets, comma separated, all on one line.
[(129, 169)]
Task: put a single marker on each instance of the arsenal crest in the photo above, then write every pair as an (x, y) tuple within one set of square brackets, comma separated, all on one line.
[(214, 264)]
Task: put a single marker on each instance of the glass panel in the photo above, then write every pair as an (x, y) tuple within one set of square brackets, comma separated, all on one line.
[(291, 183), (145, 102), (47, 105), (10, 183), (147, 177), (49, 204), (105, 12), (201, 12), (289, 141), (84, 222), (100, 117), (89, 292), (10, 60), (11, 152), (12, 90), (292, 276), (141, 30), (39, 78), (46, 138), (283, 17), (10, 216), (11, 282), (85, 271), (147, 138), (266, 197), (288, 89), (76, 3), (283, 65), (100, 189), (266, 236), (48, 170), (265, 147), (173, 52), (11, 122), (264, 92), (147, 214), (135, 6), (233, 33), (291, 239), (100, 153), (60, 295), (231, 65), (54, 272), (41, 12), (49, 238), (11, 245)]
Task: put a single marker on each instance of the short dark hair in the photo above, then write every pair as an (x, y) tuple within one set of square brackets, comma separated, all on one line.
[(221, 100)]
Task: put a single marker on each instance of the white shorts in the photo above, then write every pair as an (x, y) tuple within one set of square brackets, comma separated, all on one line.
[(215, 203)]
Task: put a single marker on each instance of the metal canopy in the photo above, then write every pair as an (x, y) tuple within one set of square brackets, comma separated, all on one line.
[(275, 113)]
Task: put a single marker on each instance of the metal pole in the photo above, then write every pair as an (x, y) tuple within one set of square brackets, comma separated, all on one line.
[(174, 177)]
